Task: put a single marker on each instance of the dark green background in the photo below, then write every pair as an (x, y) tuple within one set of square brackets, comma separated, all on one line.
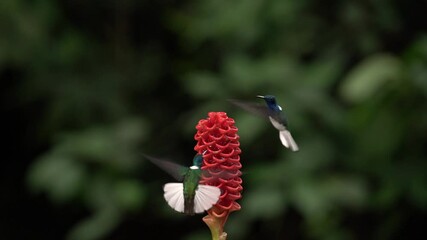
[(90, 85)]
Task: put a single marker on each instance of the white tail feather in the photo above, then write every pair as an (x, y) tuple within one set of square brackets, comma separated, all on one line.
[(206, 197), (288, 140), (174, 195)]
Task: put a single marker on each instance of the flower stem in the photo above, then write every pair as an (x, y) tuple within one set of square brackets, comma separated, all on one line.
[(216, 227)]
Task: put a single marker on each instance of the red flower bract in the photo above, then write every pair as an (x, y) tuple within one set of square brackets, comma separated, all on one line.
[(218, 141)]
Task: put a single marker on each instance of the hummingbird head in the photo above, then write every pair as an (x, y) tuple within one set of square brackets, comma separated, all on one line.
[(197, 160), (270, 99)]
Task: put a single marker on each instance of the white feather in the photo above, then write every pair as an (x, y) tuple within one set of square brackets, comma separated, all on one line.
[(276, 124), (206, 197), (285, 136), (174, 195), (287, 140)]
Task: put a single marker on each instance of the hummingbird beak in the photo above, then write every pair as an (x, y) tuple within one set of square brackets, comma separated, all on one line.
[(260, 96)]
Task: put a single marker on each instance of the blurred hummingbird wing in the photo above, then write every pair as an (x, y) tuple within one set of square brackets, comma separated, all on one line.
[(177, 171), (206, 196), (174, 196), (214, 175), (255, 108)]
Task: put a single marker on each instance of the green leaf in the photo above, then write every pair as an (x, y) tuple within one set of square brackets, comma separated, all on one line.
[(129, 194), (61, 177), (202, 84), (264, 203), (96, 226), (370, 76)]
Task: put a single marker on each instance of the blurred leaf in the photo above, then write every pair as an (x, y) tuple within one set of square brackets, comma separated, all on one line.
[(303, 164), (387, 196), (129, 194), (99, 192), (61, 177), (218, 19), (311, 200), (317, 199), (203, 84), (71, 48), (97, 226), (416, 59), (378, 138), (418, 186), (264, 203), (346, 191), (24, 28), (246, 74), (246, 122), (198, 235), (322, 74), (113, 146), (370, 77), (95, 144)]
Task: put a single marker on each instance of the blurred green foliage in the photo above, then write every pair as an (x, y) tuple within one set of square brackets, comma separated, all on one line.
[(100, 82)]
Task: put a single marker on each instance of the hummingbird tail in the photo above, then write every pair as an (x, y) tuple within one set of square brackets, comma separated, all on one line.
[(206, 196), (288, 140), (189, 206), (174, 195)]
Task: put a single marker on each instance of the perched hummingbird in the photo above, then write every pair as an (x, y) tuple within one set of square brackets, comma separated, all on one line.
[(274, 113), (188, 196)]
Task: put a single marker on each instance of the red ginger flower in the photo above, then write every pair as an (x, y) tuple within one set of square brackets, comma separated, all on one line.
[(218, 141)]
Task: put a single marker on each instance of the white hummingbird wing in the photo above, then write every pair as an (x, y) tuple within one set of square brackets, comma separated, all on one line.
[(206, 197), (287, 140), (174, 195)]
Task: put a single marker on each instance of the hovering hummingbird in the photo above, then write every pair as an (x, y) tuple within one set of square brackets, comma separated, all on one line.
[(276, 116), (188, 196)]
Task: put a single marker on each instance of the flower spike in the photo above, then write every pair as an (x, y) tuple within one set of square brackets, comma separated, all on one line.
[(218, 141)]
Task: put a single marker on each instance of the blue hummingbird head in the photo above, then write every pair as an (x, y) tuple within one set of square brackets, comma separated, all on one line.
[(271, 101), (198, 160)]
